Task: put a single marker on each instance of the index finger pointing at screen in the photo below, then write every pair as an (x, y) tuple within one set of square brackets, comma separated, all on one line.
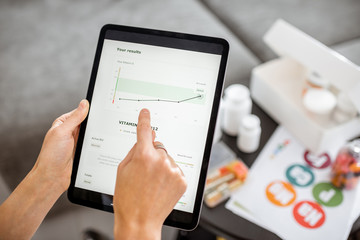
[(144, 131)]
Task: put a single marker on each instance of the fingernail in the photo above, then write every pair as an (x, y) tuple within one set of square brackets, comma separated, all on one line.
[(82, 104), (144, 110)]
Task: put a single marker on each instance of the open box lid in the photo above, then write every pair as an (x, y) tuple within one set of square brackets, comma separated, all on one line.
[(288, 41)]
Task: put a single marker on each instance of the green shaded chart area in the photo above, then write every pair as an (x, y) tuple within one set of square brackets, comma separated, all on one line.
[(155, 92)]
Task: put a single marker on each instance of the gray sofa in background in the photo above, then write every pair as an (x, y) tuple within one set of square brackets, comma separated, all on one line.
[(47, 49)]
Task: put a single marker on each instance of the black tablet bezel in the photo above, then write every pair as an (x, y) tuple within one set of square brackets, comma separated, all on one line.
[(101, 201)]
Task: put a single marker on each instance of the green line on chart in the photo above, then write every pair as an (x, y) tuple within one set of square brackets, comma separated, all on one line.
[(117, 80)]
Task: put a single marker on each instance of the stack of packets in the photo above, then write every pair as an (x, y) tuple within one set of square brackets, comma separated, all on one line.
[(224, 180), (289, 192), (226, 173)]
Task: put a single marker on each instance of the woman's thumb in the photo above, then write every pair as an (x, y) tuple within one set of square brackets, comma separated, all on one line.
[(78, 115)]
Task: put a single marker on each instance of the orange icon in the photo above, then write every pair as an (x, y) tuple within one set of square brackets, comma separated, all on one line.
[(280, 193)]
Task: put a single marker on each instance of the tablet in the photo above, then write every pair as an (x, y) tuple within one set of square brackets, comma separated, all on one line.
[(179, 78)]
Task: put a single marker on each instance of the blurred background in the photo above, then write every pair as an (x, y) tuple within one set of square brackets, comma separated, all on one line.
[(47, 49)]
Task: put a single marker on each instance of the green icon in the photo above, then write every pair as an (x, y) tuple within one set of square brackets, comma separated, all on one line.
[(300, 175), (328, 195)]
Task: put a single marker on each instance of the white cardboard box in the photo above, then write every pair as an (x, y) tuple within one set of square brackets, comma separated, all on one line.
[(276, 86)]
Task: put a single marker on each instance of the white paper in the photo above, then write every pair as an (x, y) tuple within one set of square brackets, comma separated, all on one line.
[(283, 159)]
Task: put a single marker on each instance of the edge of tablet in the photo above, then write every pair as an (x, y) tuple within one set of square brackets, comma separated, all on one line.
[(176, 217)]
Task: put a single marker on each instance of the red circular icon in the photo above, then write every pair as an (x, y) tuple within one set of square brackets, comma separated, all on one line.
[(309, 214), (317, 161)]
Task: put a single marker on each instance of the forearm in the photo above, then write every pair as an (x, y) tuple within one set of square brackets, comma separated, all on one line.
[(24, 210)]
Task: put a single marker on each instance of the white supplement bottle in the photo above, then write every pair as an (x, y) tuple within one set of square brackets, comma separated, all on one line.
[(345, 109), (249, 134), (237, 104)]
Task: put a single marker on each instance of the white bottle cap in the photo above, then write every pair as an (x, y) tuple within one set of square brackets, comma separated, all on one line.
[(315, 79), (319, 101), (345, 109), (250, 122), (237, 93), (345, 104)]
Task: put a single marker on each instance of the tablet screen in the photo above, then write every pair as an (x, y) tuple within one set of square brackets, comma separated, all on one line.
[(179, 78)]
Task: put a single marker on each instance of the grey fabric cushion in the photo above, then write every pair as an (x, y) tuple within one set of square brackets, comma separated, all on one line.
[(46, 54), (350, 49), (329, 21)]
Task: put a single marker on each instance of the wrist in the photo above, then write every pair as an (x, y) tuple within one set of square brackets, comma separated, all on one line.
[(45, 183), (135, 230), (52, 175)]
